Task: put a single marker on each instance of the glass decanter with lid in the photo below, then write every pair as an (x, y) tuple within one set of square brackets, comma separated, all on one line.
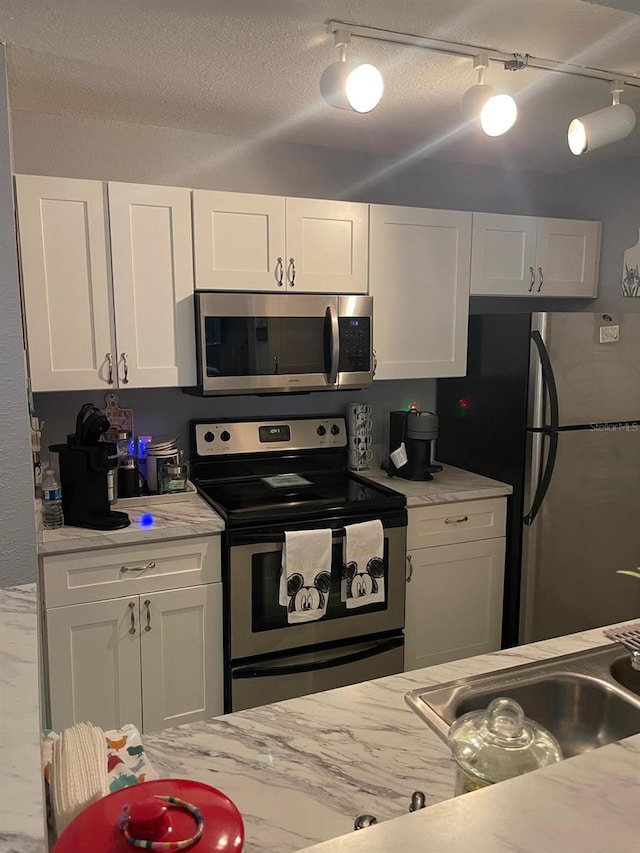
[(498, 743)]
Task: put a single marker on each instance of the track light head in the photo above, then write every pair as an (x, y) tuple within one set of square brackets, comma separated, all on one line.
[(351, 85), (496, 112), (602, 127)]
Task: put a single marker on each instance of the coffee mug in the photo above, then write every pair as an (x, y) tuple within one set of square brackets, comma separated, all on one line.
[(360, 427), (360, 442), (359, 459)]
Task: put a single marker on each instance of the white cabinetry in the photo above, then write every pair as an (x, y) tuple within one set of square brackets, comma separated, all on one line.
[(105, 311), (455, 583), (152, 657), (528, 256), (267, 243), (419, 279)]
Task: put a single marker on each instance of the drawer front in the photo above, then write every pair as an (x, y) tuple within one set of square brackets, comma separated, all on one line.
[(446, 524), (113, 572)]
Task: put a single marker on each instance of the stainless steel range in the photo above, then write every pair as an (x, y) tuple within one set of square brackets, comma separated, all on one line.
[(270, 476)]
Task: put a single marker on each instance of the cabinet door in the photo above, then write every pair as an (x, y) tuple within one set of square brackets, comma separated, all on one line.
[(453, 602), (239, 241), (94, 663), (568, 257), (181, 656), (65, 281), (152, 261), (326, 246), (503, 255), (419, 280)]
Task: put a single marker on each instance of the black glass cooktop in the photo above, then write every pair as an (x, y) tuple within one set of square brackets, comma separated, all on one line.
[(284, 495)]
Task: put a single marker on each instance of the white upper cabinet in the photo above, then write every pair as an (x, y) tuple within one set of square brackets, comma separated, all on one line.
[(151, 255), (239, 241), (74, 275), (268, 243), (326, 246), (529, 256), (568, 257), (66, 283), (419, 279)]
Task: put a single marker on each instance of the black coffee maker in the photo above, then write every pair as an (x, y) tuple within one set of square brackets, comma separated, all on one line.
[(85, 461), (410, 435)]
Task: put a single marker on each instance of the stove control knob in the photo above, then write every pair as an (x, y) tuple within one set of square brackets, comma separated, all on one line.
[(208, 437), (321, 430), (335, 429), (224, 435)]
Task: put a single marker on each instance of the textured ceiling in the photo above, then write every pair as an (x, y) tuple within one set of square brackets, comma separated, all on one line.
[(251, 68)]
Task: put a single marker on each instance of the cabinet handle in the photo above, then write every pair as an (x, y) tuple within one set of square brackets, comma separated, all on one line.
[(292, 272), (460, 520), (132, 629), (533, 279), (410, 567), (541, 280), (147, 627), (125, 569), (109, 358), (279, 271), (125, 364)]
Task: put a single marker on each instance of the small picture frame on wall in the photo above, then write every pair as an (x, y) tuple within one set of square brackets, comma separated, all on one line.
[(631, 270)]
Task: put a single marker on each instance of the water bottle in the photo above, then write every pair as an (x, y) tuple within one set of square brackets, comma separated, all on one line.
[(52, 517)]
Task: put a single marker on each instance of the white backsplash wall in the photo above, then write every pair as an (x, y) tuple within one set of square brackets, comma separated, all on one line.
[(162, 411)]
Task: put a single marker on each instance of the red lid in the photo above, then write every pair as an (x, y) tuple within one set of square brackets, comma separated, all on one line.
[(97, 829)]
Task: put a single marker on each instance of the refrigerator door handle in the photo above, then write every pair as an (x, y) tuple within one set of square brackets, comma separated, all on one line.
[(551, 430)]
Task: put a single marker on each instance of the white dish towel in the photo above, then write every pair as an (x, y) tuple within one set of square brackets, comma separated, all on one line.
[(78, 774), (305, 576), (363, 572)]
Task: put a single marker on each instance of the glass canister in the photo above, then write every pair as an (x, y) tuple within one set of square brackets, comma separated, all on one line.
[(499, 743), (173, 478)]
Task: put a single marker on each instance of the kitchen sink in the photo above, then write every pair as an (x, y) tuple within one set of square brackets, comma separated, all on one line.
[(586, 700)]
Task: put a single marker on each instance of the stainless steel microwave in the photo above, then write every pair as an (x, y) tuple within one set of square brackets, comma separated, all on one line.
[(253, 343)]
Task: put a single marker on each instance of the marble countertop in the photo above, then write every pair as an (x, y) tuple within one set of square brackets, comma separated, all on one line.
[(193, 517), (450, 485), (21, 812), (301, 771)]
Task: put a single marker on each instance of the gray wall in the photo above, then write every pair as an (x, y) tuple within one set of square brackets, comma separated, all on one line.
[(17, 529)]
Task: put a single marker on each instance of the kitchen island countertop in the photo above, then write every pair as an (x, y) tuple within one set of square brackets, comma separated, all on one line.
[(448, 486), (302, 770)]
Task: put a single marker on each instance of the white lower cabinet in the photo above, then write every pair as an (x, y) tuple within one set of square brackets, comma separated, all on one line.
[(94, 664), (453, 599), (148, 648), (181, 642)]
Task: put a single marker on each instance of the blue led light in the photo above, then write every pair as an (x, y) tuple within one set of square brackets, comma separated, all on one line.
[(147, 520)]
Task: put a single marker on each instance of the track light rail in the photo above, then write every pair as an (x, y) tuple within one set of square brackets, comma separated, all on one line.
[(471, 50)]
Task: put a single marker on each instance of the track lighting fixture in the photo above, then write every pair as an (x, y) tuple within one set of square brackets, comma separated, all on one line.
[(496, 113), (350, 85), (603, 126)]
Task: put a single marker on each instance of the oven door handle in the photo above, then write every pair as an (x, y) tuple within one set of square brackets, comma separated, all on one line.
[(269, 670)]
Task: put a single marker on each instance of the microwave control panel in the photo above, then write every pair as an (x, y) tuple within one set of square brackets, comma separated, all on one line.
[(355, 344)]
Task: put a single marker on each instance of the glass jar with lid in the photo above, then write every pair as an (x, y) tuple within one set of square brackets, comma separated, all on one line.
[(173, 478), (499, 743)]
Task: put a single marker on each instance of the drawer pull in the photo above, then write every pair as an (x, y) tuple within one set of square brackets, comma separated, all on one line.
[(147, 627), (410, 567), (132, 629), (125, 569), (459, 520)]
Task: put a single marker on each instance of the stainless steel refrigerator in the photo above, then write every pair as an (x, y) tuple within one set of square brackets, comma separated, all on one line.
[(551, 405)]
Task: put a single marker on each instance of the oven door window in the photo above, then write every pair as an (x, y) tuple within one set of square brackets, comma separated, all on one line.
[(267, 614), (265, 346)]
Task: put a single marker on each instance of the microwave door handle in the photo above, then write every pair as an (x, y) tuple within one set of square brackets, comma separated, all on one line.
[(334, 338)]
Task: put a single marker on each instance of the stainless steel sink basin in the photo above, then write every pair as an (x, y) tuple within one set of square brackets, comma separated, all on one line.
[(587, 699)]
